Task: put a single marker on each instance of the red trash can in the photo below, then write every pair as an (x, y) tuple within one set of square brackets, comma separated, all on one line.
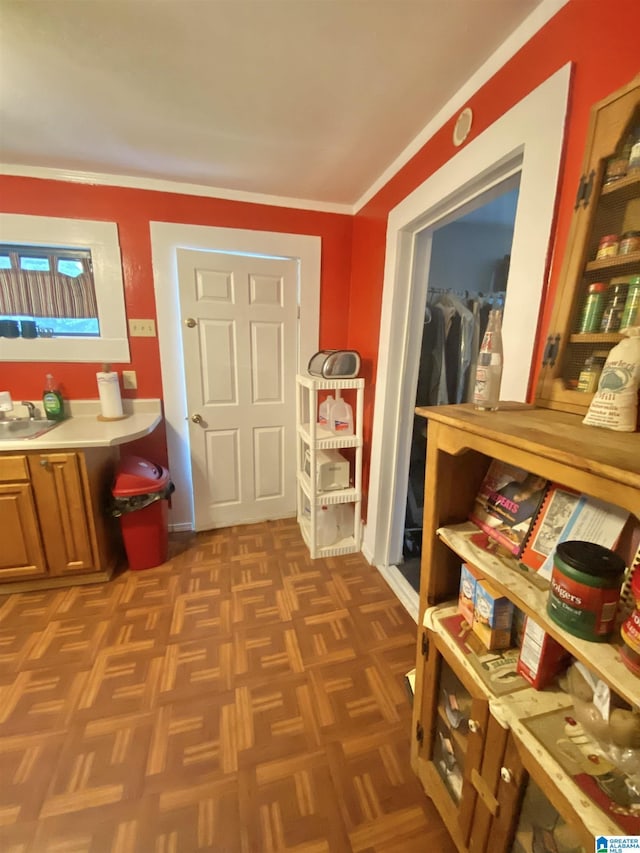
[(140, 499)]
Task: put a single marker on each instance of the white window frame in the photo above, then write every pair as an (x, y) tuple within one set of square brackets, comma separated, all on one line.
[(101, 238)]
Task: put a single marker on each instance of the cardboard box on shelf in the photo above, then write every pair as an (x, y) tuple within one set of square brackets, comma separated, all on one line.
[(541, 657), (467, 594), (492, 616)]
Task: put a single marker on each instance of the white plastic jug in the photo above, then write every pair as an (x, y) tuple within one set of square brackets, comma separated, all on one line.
[(324, 411), (342, 417), (326, 526)]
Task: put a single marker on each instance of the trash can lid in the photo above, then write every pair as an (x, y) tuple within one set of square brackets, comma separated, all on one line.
[(137, 476)]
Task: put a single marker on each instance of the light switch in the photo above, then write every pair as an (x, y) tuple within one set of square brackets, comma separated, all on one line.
[(142, 328), (129, 379)]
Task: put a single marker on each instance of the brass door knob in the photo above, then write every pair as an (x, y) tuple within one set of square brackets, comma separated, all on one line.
[(197, 419), (190, 322)]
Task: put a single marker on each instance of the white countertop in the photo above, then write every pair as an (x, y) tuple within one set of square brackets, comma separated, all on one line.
[(83, 429)]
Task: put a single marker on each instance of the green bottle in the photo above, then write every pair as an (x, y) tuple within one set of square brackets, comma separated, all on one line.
[(52, 400)]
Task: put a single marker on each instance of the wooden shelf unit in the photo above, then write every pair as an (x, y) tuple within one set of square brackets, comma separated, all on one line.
[(553, 444)]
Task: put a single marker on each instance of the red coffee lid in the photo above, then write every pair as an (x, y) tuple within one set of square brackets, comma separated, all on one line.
[(598, 287)]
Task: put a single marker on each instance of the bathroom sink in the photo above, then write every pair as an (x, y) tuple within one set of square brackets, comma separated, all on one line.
[(16, 429)]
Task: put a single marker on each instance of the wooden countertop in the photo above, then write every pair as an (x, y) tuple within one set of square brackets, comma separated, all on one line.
[(558, 436)]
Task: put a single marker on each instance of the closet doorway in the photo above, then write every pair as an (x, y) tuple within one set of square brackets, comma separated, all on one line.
[(464, 260)]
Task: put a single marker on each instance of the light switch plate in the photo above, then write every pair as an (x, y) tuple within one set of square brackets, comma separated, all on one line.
[(129, 379), (142, 328)]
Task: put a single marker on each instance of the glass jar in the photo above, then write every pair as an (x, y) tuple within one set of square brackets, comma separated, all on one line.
[(629, 242), (590, 375), (591, 315), (631, 312), (607, 247), (613, 310)]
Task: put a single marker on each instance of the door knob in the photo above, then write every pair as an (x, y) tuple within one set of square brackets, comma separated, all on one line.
[(506, 775), (197, 419), (190, 322)]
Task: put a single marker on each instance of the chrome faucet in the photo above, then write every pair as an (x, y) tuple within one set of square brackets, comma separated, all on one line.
[(31, 408)]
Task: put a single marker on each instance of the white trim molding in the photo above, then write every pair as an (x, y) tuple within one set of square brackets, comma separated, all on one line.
[(530, 134)]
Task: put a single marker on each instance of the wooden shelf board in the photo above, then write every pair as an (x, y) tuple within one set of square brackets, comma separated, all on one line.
[(530, 594)]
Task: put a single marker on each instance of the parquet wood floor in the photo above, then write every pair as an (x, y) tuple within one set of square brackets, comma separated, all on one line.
[(241, 698)]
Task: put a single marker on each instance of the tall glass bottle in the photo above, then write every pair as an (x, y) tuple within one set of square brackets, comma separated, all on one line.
[(486, 392)]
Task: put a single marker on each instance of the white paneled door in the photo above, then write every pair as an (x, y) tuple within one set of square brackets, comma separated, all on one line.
[(239, 336)]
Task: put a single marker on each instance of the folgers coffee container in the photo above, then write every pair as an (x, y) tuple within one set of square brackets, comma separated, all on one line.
[(630, 630), (585, 587)]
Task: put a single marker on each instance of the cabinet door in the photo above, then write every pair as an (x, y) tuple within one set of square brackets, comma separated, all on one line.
[(604, 206), (455, 716), (58, 485), (21, 555), (537, 816)]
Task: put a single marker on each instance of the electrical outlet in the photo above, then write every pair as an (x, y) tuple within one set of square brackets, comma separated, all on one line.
[(142, 328), (129, 379)]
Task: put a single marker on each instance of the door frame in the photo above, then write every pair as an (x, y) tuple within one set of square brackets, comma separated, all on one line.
[(166, 238), (531, 132)]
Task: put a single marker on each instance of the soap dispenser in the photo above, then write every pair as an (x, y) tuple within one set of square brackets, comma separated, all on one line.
[(52, 400)]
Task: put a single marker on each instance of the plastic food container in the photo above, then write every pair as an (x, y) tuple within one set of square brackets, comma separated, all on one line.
[(585, 588)]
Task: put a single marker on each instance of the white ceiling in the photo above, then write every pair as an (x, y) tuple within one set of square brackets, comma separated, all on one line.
[(304, 99)]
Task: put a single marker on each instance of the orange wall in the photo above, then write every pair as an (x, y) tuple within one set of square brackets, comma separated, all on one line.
[(132, 210), (602, 42)]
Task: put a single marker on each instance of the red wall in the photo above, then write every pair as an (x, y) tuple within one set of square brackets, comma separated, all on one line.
[(602, 42), (598, 37), (132, 210)]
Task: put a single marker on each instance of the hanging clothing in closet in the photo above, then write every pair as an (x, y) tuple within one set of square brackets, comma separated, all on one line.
[(451, 338)]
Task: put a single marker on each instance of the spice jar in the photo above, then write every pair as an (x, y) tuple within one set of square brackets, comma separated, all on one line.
[(613, 310), (631, 312), (629, 242), (591, 315), (607, 247), (590, 374)]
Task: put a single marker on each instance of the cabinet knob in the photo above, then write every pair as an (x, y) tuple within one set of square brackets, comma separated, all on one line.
[(474, 726), (190, 322), (44, 463), (506, 775)]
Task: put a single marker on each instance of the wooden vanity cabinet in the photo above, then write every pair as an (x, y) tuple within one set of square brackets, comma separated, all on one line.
[(21, 550), (53, 515)]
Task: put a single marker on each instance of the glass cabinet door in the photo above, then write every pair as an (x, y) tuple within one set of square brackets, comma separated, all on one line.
[(452, 730), (599, 291)]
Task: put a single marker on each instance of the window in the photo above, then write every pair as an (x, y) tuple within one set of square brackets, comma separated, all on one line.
[(66, 276), (50, 285)]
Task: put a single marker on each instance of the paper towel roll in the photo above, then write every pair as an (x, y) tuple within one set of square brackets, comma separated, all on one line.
[(109, 391)]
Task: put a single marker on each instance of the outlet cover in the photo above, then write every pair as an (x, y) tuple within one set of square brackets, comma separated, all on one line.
[(129, 379), (142, 328)]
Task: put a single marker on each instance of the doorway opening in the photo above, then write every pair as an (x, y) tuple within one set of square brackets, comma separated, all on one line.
[(468, 256), (528, 139)]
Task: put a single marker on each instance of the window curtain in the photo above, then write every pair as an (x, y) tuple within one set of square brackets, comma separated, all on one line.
[(47, 294)]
